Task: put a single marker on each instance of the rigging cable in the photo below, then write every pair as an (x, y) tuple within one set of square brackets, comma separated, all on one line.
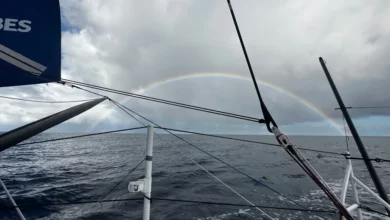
[(163, 101), (73, 86), (80, 136), (44, 101), (245, 140), (113, 188), (124, 110), (372, 210), (378, 160), (363, 107), (218, 136), (319, 151)]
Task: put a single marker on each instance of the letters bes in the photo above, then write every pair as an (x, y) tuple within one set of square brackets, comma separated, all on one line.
[(10, 24)]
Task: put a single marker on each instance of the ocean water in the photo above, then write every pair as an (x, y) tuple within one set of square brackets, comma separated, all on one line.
[(87, 168)]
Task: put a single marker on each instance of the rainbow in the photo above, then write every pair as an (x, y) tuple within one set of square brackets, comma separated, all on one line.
[(191, 76)]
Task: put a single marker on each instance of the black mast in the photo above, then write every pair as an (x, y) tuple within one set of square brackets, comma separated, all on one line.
[(355, 134)]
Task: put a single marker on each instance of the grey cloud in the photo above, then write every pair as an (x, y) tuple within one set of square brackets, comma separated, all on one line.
[(130, 44)]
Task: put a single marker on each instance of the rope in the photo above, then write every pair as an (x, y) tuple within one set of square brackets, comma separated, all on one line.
[(80, 136), (172, 200), (112, 189), (267, 116), (163, 101), (318, 151), (73, 86), (218, 136), (378, 160), (115, 103), (372, 210), (43, 101)]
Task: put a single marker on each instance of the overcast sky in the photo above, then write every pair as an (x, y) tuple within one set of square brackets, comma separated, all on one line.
[(192, 47)]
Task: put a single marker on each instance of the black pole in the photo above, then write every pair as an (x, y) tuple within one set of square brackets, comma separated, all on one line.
[(359, 143), (20, 134), (267, 116)]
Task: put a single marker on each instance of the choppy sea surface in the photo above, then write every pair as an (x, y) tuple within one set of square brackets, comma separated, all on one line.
[(87, 168)]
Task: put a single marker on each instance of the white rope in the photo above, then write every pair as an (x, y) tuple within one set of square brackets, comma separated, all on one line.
[(219, 180)]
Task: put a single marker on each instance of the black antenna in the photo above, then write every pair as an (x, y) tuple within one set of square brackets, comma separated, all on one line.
[(359, 143), (267, 116)]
